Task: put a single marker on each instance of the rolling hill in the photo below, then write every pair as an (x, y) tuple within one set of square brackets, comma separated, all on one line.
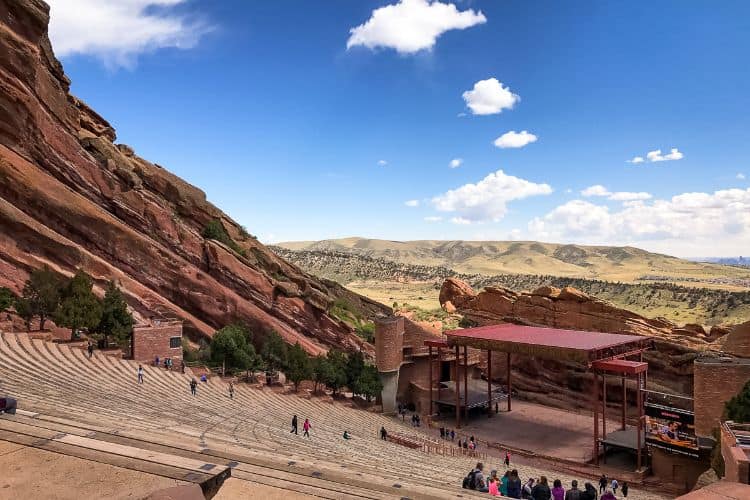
[(608, 263)]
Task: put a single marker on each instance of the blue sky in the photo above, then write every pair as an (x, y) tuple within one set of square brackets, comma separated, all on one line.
[(283, 114)]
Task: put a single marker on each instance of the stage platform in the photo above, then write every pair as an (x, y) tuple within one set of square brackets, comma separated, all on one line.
[(477, 395)]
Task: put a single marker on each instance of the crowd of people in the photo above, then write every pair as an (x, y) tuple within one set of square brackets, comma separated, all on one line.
[(510, 485)]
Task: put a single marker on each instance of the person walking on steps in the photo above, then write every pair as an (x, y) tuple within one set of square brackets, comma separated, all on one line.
[(193, 387), (603, 484), (231, 390), (507, 459), (614, 485), (294, 425), (306, 427), (625, 490), (140, 374), (90, 349), (383, 433)]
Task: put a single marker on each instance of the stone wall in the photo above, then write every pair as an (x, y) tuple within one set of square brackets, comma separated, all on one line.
[(153, 340), (675, 468), (736, 460), (716, 380)]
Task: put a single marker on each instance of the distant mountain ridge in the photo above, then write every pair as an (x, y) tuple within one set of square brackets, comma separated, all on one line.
[(609, 263)]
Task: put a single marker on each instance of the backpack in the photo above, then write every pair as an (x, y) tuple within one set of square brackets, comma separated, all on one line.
[(470, 481)]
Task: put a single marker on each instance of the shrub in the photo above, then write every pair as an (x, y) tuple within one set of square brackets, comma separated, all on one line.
[(214, 230)]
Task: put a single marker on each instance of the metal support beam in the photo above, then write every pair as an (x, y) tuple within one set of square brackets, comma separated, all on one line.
[(430, 367), (624, 403), (639, 398), (604, 406), (440, 371), (510, 387), (458, 393), (489, 383), (595, 404), (466, 383)]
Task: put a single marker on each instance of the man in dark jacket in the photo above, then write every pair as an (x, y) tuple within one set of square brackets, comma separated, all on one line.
[(294, 425), (573, 493), (514, 485)]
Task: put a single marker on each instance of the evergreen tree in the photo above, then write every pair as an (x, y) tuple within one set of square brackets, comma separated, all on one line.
[(321, 371), (737, 409), (354, 366), (79, 307), (299, 367), (7, 298), (40, 296), (116, 320), (274, 352), (230, 346), (368, 383), (336, 376)]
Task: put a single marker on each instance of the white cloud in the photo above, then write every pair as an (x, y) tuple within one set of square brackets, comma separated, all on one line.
[(637, 159), (715, 223), (515, 139), (412, 203), (740, 176), (460, 221), (118, 31), (489, 97), (599, 190), (456, 162), (433, 218), (487, 199), (674, 154), (382, 163), (411, 25)]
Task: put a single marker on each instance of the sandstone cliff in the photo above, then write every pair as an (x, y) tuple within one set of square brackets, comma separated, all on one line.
[(71, 197), (670, 363)]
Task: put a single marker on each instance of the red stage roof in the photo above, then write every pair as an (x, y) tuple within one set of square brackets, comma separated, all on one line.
[(551, 343)]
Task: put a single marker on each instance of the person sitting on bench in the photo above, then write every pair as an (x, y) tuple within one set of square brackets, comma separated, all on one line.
[(8, 405)]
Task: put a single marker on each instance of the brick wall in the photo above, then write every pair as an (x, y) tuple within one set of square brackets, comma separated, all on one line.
[(153, 340), (716, 380), (389, 343), (736, 460)]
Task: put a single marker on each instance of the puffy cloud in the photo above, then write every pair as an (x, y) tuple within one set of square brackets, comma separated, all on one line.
[(456, 162), (656, 156), (433, 218), (487, 199), (460, 221), (704, 223), (599, 190), (382, 163), (411, 25), (740, 176), (412, 203), (515, 139), (118, 31), (489, 97), (674, 154)]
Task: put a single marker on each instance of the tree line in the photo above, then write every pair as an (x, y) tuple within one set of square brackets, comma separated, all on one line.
[(233, 347), (71, 303)]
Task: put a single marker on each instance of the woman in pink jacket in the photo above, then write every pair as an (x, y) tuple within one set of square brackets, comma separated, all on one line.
[(306, 427)]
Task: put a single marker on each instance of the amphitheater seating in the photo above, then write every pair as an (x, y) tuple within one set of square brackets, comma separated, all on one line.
[(94, 408)]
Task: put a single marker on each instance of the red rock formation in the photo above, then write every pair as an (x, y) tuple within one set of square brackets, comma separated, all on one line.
[(70, 197)]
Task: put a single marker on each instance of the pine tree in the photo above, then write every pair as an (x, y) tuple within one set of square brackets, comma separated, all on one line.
[(7, 299), (321, 371), (336, 376), (40, 296), (274, 352), (298, 365), (368, 383), (737, 409), (116, 320), (231, 347), (79, 307)]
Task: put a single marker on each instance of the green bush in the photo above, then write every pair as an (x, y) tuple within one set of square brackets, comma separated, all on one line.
[(737, 409), (214, 230)]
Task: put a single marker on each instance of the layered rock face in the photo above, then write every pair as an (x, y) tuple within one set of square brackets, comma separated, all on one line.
[(670, 363), (70, 197)]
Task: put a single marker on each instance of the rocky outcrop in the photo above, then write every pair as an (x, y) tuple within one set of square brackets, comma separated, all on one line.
[(553, 382), (70, 197)]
